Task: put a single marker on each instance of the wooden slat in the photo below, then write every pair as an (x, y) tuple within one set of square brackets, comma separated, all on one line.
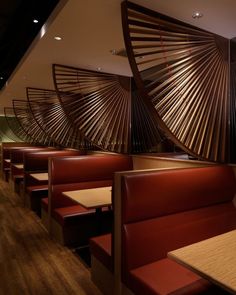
[(183, 75)]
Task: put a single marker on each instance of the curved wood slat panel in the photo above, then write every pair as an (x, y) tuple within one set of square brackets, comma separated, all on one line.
[(107, 110), (232, 104), (15, 126), (29, 125), (99, 105), (183, 74), (6, 132), (50, 116), (145, 134)]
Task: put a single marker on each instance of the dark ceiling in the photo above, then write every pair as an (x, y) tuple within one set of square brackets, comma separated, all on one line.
[(17, 30)]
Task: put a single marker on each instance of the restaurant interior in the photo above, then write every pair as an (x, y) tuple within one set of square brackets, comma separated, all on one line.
[(117, 140)]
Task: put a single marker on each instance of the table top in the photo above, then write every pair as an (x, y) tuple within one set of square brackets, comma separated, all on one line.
[(18, 166), (213, 259), (40, 176), (91, 198)]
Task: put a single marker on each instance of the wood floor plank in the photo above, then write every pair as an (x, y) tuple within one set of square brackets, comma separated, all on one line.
[(30, 262)]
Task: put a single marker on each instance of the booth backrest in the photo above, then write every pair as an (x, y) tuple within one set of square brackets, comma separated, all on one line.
[(168, 209), (6, 154), (83, 172), (17, 154), (37, 161), (7, 146)]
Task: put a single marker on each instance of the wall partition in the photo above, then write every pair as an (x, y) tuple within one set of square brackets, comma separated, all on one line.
[(28, 123), (106, 109), (183, 75), (50, 116), (15, 126)]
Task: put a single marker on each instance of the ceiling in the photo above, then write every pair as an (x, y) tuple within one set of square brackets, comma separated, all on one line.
[(20, 21), (90, 30)]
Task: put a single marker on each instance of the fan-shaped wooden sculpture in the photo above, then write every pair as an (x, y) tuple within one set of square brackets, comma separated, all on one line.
[(183, 75), (6, 133), (50, 116), (28, 123), (99, 104), (15, 126), (232, 105)]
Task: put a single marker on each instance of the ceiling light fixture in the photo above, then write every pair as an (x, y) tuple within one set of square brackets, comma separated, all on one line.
[(58, 38), (35, 21), (1, 78), (197, 14)]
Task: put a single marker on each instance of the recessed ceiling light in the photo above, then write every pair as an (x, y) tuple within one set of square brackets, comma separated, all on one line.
[(58, 38), (1, 78), (197, 14), (35, 21)]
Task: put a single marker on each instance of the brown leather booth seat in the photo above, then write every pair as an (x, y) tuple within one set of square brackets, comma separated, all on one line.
[(101, 249), (75, 223), (6, 156), (162, 211), (17, 157), (37, 162)]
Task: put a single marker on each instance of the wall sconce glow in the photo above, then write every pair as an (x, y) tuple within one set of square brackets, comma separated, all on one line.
[(58, 38), (99, 69), (35, 21), (197, 14)]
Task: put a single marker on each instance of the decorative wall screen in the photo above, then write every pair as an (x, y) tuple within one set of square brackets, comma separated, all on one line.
[(106, 109), (50, 116), (15, 126), (28, 124), (182, 73)]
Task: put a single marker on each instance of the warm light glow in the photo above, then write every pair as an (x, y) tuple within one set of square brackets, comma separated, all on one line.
[(35, 21), (43, 31), (58, 38), (197, 14)]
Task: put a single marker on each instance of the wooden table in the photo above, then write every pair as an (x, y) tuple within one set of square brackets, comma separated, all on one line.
[(19, 166), (40, 176), (213, 259), (91, 198)]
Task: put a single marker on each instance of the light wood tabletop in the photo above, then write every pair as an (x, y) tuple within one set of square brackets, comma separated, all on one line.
[(18, 166), (213, 259), (40, 176), (91, 198)]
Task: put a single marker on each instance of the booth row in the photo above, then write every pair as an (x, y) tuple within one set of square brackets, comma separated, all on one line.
[(133, 212)]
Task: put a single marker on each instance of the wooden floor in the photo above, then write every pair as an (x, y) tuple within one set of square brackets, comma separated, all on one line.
[(31, 263)]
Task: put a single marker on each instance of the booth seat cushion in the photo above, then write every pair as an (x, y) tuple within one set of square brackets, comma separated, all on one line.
[(160, 235), (100, 248), (37, 188), (165, 277), (18, 177), (69, 215), (44, 204)]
